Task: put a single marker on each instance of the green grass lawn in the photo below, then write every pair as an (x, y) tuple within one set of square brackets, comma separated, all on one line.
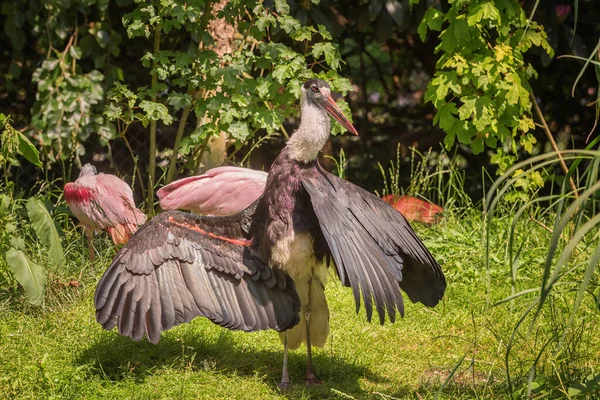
[(59, 351)]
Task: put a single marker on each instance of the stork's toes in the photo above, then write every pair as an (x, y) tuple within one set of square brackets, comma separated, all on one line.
[(311, 380), (284, 384)]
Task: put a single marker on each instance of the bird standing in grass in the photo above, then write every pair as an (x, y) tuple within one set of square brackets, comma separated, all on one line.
[(103, 202), (266, 266)]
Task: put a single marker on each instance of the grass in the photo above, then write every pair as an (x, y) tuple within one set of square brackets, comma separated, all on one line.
[(491, 337), (456, 350)]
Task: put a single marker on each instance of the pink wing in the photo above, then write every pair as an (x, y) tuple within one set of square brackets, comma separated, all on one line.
[(104, 202), (220, 191)]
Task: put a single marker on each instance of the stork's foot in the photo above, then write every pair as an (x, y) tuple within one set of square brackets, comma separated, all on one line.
[(284, 384), (311, 380)]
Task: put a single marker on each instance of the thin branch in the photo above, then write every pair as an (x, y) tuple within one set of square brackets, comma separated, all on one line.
[(184, 116), (554, 146), (152, 156), (134, 158)]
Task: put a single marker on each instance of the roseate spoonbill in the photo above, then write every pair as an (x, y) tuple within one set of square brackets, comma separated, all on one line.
[(220, 191), (228, 190), (103, 201), (415, 209), (266, 267)]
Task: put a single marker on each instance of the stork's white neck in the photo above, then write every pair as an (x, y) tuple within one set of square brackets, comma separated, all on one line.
[(312, 134)]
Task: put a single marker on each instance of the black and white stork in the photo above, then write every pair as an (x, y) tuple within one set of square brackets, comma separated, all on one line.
[(266, 266)]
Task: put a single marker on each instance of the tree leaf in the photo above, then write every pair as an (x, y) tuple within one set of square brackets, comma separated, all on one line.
[(282, 6), (375, 7), (445, 116), (239, 130), (591, 383), (29, 274), (394, 7), (45, 229), (28, 150)]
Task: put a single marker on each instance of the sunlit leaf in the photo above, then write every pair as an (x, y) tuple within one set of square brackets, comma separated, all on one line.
[(28, 150), (30, 275), (44, 227)]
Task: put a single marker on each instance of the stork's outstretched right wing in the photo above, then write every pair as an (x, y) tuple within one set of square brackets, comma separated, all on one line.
[(179, 266), (375, 250)]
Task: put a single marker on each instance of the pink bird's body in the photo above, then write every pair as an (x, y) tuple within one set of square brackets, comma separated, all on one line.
[(415, 209), (103, 202), (220, 191)]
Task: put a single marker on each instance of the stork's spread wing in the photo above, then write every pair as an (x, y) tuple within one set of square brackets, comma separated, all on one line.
[(374, 247), (179, 266)]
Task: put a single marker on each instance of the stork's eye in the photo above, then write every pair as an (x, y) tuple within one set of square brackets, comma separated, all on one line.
[(314, 89)]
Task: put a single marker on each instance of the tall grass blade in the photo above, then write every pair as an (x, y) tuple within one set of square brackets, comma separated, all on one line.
[(587, 62), (450, 376)]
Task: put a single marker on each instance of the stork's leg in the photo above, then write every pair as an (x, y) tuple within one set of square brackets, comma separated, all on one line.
[(90, 236), (309, 378), (285, 378)]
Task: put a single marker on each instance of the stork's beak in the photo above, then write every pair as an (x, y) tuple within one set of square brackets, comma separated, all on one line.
[(332, 109)]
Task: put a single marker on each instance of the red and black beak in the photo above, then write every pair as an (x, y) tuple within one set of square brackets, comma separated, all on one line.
[(332, 109)]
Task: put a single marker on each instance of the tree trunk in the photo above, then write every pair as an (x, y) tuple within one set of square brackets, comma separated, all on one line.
[(223, 34)]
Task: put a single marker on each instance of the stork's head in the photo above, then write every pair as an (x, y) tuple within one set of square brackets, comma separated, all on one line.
[(88, 170), (318, 93)]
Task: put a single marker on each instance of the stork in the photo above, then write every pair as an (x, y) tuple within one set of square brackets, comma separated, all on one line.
[(266, 266)]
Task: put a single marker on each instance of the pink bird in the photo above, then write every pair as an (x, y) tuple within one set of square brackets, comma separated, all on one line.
[(228, 190), (220, 191), (415, 209), (102, 201)]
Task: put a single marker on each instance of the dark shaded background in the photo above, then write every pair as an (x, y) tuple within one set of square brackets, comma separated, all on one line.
[(385, 60)]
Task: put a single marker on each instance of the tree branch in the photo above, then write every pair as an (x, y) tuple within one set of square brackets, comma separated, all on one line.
[(184, 116), (152, 157)]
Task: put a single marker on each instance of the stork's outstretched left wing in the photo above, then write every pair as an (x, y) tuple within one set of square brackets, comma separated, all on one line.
[(180, 266), (373, 246)]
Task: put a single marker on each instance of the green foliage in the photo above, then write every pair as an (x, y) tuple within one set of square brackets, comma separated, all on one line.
[(437, 177), (27, 246), (43, 225), (253, 88), (29, 274), (569, 274), (15, 143), (481, 86), (67, 108), (70, 80)]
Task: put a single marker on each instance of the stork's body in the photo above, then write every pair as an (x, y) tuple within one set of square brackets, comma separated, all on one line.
[(288, 234), (265, 267)]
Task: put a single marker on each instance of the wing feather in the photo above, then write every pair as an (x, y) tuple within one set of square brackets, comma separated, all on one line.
[(179, 266), (375, 250)]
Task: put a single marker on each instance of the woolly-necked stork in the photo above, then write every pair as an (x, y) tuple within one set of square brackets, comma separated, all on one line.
[(266, 266), (103, 201)]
